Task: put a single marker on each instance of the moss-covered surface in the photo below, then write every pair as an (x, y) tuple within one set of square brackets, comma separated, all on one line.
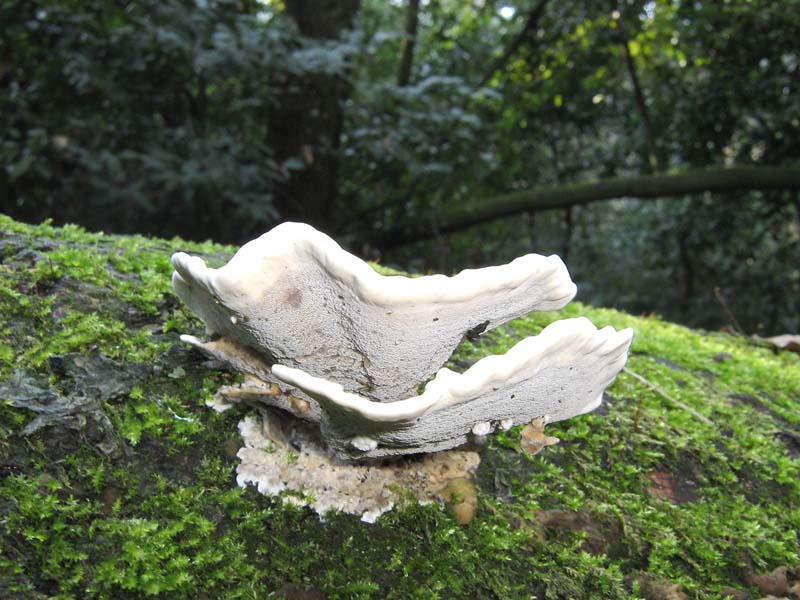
[(148, 506)]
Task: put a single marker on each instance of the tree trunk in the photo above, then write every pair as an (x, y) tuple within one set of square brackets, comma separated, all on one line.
[(410, 40), (307, 122), (653, 156)]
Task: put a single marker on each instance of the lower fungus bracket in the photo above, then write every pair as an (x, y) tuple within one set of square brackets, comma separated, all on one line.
[(560, 373)]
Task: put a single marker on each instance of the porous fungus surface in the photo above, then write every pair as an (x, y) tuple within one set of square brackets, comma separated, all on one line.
[(642, 491), (305, 474)]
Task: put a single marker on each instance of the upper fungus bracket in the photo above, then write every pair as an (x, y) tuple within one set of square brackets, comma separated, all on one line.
[(295, 296)]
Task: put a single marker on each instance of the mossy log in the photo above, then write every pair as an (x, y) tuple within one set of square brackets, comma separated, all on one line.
[(116, 481)]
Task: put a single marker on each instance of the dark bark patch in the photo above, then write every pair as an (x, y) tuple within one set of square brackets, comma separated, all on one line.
[(473, 334), (672, 487)]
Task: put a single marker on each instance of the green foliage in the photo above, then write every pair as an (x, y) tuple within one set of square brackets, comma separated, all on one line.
[(158, 417), (563, 108), (45, 532), (140, 117)]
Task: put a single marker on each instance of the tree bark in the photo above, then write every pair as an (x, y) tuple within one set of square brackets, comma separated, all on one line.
[(710, 179), (655, 163), (410, 40), (307, 121)]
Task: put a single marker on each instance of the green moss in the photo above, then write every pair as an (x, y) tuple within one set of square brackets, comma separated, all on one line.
[(167, 519)]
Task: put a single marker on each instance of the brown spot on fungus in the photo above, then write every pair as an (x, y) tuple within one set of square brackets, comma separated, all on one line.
[(293, 297), (298, 404)]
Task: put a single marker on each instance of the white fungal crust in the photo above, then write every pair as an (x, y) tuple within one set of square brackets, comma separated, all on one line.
[(294, 296), (284, 458), (482, 428), (560, 373), (363, 443)]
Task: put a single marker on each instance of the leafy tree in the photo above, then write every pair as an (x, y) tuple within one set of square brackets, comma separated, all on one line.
[(144, 116), (580, 92)]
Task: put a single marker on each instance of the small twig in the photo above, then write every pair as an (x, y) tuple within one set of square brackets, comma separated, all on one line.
[(727, 309), (664, 394), (638, 415)]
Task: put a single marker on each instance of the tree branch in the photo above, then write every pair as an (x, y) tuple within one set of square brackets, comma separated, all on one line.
[(410, 39), (653, 158), (710, 179)]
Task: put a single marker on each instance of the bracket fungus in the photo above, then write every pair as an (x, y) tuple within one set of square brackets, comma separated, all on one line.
[(295, 297), (327, 339)]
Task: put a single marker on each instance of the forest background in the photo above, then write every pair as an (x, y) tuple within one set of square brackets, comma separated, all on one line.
[(654, 145)]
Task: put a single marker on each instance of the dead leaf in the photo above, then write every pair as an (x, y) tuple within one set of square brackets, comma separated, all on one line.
[(597, 539), (772, 584), (533, 439), (655, 588), (782, 342), (670, 487), (732, 593)]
